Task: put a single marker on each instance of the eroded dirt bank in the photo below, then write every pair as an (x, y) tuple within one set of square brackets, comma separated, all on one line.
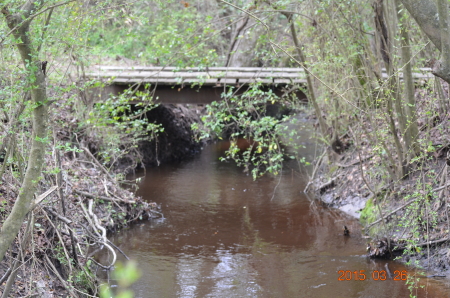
[(404, 218), (177, 141)]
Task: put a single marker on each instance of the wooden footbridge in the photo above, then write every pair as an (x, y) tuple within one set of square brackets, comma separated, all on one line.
[(175, 85)]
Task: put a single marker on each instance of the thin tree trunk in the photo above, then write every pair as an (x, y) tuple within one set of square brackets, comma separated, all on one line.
[(311, 89), (391, 93), (20, 23), (235, 40), (412, 130)]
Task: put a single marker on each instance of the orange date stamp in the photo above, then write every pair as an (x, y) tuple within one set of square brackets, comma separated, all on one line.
[(347, 275)]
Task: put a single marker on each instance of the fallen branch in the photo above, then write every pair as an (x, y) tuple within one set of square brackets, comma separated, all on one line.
[(391, 213), (433, 242), (61, 241), (86, 194), (121, 251), (441, 187), (61, 218), (355, 162), (43, 196)]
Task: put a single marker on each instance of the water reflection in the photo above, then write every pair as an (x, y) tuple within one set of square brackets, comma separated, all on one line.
[(226, 235)]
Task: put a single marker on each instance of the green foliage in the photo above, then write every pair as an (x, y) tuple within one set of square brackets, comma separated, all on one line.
[(118, 126), (245, 119), (369, 213), (125, 275)]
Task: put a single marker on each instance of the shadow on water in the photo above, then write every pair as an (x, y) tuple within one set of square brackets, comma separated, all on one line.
[(225, 235)]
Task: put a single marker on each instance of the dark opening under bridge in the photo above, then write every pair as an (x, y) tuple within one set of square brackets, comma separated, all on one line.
[(175, 85)]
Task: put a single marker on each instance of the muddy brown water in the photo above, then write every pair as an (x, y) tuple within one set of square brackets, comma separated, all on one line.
[(225, 235)]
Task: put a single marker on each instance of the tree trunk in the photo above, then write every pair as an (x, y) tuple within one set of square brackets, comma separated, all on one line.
[(426, 15), (442, 69), (433, 20), (311, 92), (412, 130), (234, 57), (20, 24)]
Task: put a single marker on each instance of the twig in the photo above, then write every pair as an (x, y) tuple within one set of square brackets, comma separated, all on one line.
[(116, 247), (403, 206), (98, 163), (314, 171), (432, 242), (441, 187), (5, 276), (31, 17), (360, 166), (329, 182), (247, 12), (391, 213), (100, 265)]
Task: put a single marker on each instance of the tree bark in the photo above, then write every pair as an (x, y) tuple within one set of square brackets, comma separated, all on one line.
[(433, 20), (442, 69), (20, 24), (426, 15)]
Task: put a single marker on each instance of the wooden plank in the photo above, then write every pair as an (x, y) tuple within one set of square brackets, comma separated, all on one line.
[(178, 81), (120, 80), (193, 75), (123, 80), (289, 81), (202, 81), (299, 81), (195, 69), (227, 82), (250, 81)]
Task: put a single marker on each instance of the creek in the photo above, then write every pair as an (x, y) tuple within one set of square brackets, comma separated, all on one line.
[(225, 235)]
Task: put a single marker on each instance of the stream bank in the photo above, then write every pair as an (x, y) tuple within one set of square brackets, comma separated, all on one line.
[(82, 199), (406, 219)]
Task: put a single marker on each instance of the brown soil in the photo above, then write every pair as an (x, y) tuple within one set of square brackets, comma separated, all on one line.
[(177, 142)]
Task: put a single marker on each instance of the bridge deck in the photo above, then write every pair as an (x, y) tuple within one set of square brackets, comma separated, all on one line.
[(119, 78), (212, 76)]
